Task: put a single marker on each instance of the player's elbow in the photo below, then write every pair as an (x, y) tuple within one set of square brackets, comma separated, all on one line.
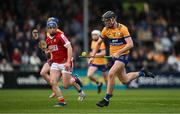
[(68, 45), (131, 45), (99, 42)]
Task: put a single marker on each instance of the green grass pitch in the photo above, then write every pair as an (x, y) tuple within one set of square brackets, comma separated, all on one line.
[(123, 101)]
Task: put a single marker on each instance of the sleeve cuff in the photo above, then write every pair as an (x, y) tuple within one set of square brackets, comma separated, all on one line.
[(65, 45), (127, 36)]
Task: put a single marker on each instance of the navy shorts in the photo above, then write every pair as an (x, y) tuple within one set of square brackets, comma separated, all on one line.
[(102, 68), (123, 58)]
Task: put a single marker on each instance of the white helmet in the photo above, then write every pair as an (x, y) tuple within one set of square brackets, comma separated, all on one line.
[(97, 32)]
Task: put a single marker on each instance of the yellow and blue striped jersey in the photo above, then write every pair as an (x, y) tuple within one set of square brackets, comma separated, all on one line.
[(116, 37), (98, 61)]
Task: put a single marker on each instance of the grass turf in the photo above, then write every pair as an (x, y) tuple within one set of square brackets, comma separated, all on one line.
[(123, 101)]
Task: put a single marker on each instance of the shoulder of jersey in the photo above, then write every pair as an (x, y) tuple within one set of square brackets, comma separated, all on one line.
[(104, 28), (59, 31), (122, 25)]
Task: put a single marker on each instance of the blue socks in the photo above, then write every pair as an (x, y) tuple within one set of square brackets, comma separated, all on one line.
[(141, 73), (80, 91), (108, 96)]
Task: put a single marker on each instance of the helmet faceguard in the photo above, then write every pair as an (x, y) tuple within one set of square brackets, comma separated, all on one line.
[(95, 34), (52, 27), (52, 22)]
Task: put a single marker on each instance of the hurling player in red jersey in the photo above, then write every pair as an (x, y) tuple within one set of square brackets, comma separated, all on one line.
[(46, 67), (61, 54)]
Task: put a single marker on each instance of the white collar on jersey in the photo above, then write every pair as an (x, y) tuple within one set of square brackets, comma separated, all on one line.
[(51, 37)]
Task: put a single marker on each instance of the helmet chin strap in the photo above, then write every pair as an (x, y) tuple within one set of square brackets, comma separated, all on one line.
[(114, 24)]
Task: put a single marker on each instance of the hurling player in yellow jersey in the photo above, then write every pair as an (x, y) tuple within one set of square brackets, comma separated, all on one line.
[(120, 42), (97, 63)]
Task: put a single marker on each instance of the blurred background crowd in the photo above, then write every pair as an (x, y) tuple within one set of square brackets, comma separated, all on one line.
[(154, 27)]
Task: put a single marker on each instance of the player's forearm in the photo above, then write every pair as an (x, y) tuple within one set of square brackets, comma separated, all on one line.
[(125, 48), (95, 49), (129, 44), (69, 52), (121, 51), (46, 50)]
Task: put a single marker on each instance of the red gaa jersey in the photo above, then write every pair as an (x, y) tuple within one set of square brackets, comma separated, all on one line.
[(57, 46)]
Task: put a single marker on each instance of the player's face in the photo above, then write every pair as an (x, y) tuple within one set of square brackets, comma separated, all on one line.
[(52, 30), (95, 37), (109, 23)]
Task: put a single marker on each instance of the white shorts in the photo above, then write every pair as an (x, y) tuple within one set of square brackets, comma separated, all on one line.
[(60, 67)]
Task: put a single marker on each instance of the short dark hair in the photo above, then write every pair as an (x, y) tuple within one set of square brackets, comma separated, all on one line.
[(108, 15)]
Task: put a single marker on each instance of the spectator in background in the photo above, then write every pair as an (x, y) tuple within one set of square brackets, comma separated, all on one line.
[(1, 52), (25, 59), (173, 63), (175, 34), (174, 59), (166, 42), (158, 45), (159, 57), (5, 66), (144, 32), (35, 61), (16, 57)]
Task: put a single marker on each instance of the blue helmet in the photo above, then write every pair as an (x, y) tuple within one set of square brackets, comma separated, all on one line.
[(52, 24), (53, 19)]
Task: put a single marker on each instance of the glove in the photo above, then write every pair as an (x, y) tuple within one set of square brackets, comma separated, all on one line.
[(42, 44)]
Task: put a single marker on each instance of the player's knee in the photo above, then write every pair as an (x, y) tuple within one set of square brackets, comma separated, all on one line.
[(42, 73), (65, 86), (53, 82), (54, 87), (111, 74), (89, 76)]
